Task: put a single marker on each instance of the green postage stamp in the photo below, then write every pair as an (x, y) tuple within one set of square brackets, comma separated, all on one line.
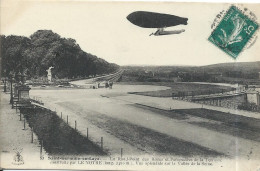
[(233, 32)]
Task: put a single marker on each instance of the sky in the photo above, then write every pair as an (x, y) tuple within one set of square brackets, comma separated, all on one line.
[(101, 28)]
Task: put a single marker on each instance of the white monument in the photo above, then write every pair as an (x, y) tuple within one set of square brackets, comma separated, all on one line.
[(49, 74)]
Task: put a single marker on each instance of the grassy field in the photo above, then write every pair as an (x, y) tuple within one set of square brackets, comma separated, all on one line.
[(227, 123), (188, 88), (237, 121), (149, 140), (227, 129), (168, 113), (236, 125)]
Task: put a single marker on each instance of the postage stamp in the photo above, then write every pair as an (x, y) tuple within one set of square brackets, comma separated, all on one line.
[(233, 32)]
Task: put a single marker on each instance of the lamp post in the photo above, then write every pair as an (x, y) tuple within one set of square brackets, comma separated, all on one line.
[(5, 84), (5, 81), (11, 94)]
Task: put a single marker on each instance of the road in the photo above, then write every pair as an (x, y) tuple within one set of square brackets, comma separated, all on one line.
[(114, 77), (87, 106)]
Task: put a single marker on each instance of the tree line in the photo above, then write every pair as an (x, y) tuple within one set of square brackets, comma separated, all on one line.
[(44, 48)]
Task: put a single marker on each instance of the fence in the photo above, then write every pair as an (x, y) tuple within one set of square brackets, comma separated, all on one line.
[(221, 100), (185, 94), (37, 117)]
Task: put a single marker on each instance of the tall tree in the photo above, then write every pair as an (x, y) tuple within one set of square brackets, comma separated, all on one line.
[(45, 48)]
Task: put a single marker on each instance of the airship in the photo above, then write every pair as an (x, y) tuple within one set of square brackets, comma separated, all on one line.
[(160, 21)]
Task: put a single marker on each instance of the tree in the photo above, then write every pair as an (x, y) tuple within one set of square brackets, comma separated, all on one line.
[(45, 48)]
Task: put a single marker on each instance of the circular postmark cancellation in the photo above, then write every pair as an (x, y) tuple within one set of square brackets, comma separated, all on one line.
[(234, 30)]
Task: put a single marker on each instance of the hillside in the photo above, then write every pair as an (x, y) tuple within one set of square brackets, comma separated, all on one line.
[(238, 66), (44, 48), (234, 66), (240, 72)]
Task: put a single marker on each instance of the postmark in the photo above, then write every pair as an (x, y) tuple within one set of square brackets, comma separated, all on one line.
[(233, 32)]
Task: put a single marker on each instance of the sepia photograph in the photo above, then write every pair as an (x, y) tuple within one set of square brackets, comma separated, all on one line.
[(113, 85)]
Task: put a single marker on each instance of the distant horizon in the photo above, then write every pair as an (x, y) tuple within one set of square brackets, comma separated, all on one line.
[(187, 65)]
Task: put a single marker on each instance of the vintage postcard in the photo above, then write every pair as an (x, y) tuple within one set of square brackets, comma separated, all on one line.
[(129, 85)]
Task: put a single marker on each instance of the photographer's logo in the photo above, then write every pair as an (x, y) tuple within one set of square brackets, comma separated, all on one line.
[(18, 158)]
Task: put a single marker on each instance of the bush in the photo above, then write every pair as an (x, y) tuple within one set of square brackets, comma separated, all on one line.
[(249, 106)]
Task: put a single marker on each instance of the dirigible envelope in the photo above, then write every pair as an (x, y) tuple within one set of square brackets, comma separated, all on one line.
[(155, 20)]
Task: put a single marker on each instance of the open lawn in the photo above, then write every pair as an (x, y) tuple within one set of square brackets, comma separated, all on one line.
[(227, 123), (237, 121), (196, 89), (148, 139)]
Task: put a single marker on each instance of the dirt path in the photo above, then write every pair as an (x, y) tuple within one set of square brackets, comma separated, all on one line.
[(14, 138), (111, 144)]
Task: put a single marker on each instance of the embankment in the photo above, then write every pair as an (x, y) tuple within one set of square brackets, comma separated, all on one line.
[(57, 136)]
